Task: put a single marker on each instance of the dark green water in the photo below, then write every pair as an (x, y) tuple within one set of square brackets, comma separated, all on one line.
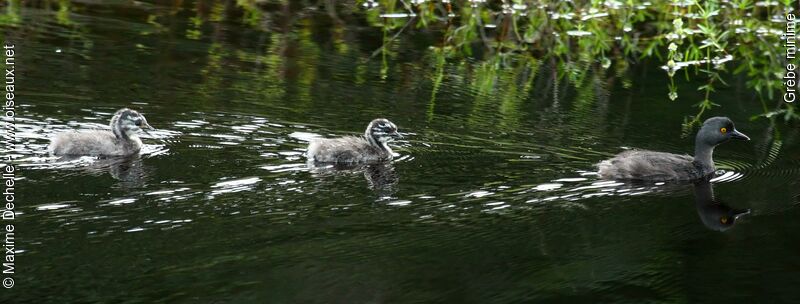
[(492, 197)]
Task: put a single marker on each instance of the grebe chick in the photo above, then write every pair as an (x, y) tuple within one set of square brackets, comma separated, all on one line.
[(371, 148), (659, 166), (121, 140)]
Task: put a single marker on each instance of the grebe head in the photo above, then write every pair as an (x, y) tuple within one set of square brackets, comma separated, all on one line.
[(126, 123), (381, 130), (717, 130)]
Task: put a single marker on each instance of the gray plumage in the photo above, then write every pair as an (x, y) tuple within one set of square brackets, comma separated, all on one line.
[(121, 140), (649, 165), (659, 166), (372, 147)]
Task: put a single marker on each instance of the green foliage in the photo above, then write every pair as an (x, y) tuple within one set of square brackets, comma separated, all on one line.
[(706, 41), (703, 38)]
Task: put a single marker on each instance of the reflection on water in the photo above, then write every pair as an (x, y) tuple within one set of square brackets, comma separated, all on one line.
[(715, 214), (493, 199), (380, 177), (129, 171)]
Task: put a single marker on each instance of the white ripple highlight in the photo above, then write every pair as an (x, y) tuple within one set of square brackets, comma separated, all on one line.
[(232, 186), (728, 176)]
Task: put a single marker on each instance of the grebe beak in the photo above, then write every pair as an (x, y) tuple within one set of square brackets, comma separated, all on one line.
[(739, 135)]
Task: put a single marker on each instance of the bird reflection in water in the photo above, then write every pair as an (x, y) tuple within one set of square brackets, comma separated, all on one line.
[(381, 177), (714, 214), (129, 170)]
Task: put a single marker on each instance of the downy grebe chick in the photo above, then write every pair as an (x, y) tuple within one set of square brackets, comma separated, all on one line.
[(371, 148), (659, 166), (122, 140)]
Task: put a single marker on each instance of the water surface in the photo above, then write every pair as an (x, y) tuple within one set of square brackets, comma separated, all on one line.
[(492, 198)]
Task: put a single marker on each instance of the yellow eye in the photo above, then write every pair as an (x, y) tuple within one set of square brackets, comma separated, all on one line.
[(723, 219), (723, 130)]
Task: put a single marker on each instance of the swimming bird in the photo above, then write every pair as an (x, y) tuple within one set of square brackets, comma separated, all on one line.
[(121, 140), (371, 148), (645, 165)]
